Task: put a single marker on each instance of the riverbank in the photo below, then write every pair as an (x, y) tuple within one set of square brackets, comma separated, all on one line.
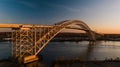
[(88, 64), (79, 63), (61, 37), (64, 63)]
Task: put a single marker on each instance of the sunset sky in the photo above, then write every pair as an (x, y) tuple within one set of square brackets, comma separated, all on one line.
[(102, 16)]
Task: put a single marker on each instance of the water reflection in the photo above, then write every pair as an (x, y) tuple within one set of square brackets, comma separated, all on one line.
[(83, 50), (90, 49)]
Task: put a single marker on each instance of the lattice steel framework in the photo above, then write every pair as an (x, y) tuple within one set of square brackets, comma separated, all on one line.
[(23, 40), (31, 40)]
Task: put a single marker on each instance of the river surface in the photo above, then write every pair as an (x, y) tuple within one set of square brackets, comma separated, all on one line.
[(68, 50)]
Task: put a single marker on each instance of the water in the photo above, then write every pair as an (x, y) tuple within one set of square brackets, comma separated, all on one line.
[(82, 50)]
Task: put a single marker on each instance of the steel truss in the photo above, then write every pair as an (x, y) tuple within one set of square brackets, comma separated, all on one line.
[(29, 41)]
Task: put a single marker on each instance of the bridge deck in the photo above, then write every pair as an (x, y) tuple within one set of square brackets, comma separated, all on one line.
[(22, 25)]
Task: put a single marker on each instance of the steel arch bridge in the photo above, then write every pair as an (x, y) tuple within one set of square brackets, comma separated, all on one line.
[(29, 40)]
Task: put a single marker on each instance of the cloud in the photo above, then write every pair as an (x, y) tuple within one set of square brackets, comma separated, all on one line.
[(65, 7), (28, 4)]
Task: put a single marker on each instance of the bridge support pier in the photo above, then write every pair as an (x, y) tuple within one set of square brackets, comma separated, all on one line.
[(30, 59), (23, 41), (26, 59)]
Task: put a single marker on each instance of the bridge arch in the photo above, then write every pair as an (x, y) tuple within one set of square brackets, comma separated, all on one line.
[(58, 27), (82, 26)]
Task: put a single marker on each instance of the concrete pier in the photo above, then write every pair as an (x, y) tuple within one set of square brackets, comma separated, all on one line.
[(30, 59)]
